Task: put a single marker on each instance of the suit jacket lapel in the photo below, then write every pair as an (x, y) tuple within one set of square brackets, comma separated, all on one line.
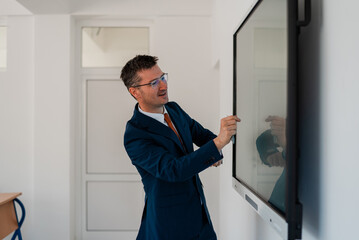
[(179, 123), (154, 126)]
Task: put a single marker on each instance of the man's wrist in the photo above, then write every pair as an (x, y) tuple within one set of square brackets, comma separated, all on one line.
[(218, 144)]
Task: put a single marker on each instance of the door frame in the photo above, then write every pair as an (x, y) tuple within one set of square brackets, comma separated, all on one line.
[(81, 76)]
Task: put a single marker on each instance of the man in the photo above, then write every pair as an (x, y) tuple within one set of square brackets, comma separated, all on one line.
[(159, 141)]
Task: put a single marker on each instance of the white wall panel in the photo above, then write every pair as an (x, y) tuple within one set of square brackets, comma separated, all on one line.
[(114, 206), (109, 107)]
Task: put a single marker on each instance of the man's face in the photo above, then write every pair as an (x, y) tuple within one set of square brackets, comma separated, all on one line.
[(150, 99)]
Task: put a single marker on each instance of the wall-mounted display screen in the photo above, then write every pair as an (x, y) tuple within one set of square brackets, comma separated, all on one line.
[(262, 101), (264, 98)]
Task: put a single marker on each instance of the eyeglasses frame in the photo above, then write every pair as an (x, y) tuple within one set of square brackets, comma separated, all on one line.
[(154, 80)]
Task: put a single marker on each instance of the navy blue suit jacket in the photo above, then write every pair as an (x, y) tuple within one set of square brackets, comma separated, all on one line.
[(174, 194)]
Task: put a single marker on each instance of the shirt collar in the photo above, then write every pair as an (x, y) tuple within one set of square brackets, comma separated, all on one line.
[(157, 116)]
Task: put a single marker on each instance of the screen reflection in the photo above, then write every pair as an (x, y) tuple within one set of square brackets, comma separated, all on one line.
[(261, 102)]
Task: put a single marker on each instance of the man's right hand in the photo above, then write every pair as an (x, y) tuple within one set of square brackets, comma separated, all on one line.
[(228, 129)]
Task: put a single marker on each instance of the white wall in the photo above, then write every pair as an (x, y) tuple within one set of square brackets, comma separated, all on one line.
[(35, 135), (329, 118), (339, 37), (52, 143), (16, 114)]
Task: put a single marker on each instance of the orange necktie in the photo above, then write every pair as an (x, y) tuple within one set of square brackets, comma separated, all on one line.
[(169, 122)]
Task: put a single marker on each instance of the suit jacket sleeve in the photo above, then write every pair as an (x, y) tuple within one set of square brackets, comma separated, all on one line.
[(200, 135), (166, 163)]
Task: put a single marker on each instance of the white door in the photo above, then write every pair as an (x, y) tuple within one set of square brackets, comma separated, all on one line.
[(110, 192)]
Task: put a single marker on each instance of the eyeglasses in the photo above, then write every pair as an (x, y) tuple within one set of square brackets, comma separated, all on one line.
[(155, 82)]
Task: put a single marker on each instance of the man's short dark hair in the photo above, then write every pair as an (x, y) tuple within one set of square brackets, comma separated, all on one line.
[(129, 72)]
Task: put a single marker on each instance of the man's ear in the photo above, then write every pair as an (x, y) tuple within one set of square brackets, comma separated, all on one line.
[(134, 92)]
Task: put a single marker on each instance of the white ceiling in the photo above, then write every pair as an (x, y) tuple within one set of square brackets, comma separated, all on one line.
[(12, 7), (118, 7)]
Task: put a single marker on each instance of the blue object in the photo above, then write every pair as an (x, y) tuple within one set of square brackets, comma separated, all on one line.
[(17, 232), (266, 146), (277, 197)]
